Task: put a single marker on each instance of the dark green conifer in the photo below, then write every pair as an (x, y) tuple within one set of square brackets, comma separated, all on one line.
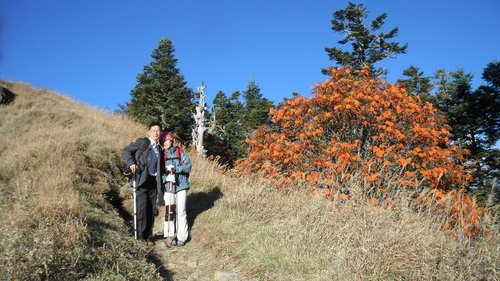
[(369, 45), (161, 94)]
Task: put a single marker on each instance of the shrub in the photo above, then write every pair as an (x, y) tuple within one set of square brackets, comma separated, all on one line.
[(357, 124)]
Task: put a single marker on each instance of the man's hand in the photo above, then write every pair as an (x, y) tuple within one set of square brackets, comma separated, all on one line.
[(133, 168)]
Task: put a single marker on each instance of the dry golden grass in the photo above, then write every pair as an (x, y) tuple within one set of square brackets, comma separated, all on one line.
[(59, 168), (59, 164), (275, 235)]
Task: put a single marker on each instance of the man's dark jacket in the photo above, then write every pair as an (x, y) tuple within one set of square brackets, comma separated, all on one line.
[(139, 153)]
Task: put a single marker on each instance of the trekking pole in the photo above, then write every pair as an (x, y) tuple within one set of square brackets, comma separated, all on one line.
[(169, 211), (169, 196), (135, 205)]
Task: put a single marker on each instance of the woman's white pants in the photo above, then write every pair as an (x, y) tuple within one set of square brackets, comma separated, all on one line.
[(176, 222)]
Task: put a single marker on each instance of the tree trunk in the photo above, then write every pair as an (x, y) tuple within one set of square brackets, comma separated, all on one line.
[(200, 121)]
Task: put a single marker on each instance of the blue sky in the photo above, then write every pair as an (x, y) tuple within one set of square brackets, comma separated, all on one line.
[(93, 50)]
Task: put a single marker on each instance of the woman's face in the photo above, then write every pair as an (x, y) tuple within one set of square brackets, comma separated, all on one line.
[(167, 144)]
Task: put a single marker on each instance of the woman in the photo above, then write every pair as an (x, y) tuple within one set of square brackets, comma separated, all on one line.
[(176, 180)]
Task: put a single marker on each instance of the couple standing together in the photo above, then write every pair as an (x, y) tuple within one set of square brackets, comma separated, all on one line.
[(161, 171)]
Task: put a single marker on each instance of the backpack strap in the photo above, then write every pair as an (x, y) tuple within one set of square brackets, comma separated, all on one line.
[(178, 155)]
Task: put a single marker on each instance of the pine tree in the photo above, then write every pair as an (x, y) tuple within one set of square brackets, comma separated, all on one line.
[(161, 94), (489, 103), (223, 111), (237, 120), (228, 129), (368, 46), (256, 110), (486, 106), (416, 84), (475, 121), (454, 99)]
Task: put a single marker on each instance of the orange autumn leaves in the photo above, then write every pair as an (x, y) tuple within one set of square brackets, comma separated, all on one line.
[(356, 124)]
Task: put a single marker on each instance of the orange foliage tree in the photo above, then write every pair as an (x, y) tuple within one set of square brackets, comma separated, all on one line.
[(357, 124)]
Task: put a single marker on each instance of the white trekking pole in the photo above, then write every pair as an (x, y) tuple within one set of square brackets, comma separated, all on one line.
[(135, 206), (169, 201), (169, 215)]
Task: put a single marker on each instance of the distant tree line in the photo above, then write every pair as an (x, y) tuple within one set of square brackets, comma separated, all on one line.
[(472, 114), (236, 117)]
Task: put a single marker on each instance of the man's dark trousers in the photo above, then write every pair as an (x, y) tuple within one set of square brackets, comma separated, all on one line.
[(146, 202)]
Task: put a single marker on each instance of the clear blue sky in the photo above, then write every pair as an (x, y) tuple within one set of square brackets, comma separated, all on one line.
[(92, 50)]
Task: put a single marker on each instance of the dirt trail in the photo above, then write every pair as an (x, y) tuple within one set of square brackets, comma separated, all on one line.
[(194, 261)]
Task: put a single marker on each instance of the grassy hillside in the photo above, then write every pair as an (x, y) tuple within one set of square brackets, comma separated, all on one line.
[(58, 166), (59, 175), (288, 236)]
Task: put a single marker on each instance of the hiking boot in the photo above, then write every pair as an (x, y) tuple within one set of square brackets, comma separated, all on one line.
[(168, 241), (147, 242), (178, 243)]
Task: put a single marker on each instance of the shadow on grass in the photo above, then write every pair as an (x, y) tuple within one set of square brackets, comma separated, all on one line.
[(98, 230), (199, 202), (164, 272), (114, 198), (6, 95)]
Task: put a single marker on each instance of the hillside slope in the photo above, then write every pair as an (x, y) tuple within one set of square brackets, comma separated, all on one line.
[(65, 217), (59, 164)]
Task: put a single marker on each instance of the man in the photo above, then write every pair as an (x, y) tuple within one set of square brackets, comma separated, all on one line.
[(144, 157), (178, 166)]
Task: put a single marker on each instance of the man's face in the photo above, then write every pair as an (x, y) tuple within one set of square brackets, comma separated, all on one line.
[(154, 133)]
